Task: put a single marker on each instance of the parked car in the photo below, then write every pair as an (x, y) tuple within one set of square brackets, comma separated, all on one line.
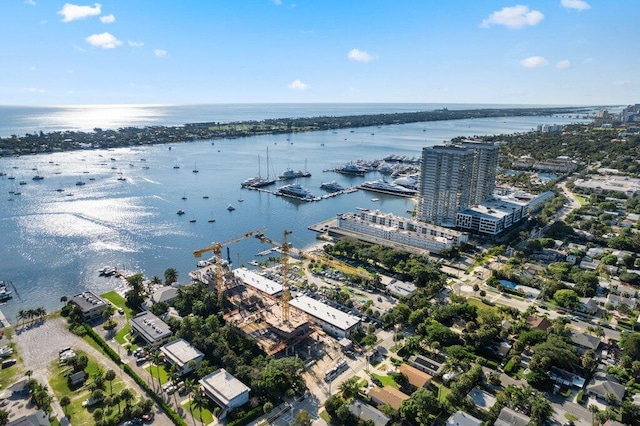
[(141, 360), (8, 362)]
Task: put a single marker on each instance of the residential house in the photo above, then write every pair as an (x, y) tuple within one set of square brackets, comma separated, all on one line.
[(225, 390), (166, 294), (482, 399), (509, 417), (602, 387), (416, 378), (584, 341), (426, 364), (387, 396), (77, 378), (181, 354), (460, 418), (365, 412), (538, 323), (615, 301)]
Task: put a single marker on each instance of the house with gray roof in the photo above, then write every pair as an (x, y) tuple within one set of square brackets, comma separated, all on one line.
[(601, 386), (460, 418), (366, 412), (183, 355), (584, 341), (39, 418), (150, 328), (509, 417)]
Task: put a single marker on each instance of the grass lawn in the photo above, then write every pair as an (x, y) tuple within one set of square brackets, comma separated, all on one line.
[(207, 416), (119, 302), (121, 334), (75, 411), (158, 371), (385, 380), (582, 200), (443, 391), (481, 305), (325, 416)]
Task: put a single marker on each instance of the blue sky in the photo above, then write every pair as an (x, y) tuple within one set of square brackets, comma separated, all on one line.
[(564, 52)]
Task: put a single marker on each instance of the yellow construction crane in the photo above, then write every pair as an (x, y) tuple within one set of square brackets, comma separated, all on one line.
[(216, 248), (286, 293)]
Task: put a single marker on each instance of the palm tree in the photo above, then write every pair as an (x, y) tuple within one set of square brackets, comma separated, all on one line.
[(594, 410), (21, 315), (155, 357), (64, 403), (351, 387), (64, 299), (170, 276), (199, 402), (174, 374), (110, 376), (127, 396), (191, 387)]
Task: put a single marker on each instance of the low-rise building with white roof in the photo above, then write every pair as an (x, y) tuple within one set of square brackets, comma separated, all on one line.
[(181, 354), (258, 282), (225, 390), (150, 328), (333, 321)]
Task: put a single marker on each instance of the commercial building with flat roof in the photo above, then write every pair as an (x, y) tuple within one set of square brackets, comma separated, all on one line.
[(225, 390), (400, 230), (492, 216), (90, 305), (333, 321), (150, 328), (181, 354), (258, 282)]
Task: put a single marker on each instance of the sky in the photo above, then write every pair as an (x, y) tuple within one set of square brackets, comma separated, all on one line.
[(544, 52)]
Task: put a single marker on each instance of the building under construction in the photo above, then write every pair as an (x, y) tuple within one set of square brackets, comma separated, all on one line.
[(257, 312)]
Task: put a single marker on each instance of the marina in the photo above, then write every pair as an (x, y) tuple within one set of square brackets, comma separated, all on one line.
[(134, 222)]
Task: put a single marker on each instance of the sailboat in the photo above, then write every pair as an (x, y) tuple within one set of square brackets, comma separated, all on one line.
[(195, 168), (259, 181)]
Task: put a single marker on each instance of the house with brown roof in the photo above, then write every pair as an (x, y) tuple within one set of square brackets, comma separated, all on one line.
[(387, 396), (538, 323), (416, 378)]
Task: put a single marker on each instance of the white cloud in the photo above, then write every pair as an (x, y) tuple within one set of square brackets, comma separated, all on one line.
[(579, 5), (104, 40), (30, 2), (32, 69), (298, 85), (160, 53), (359, 55), (73, 12), (514, 17), (620, 83), (277, 2), (33, 90), (108, 19), (135, 43), (563, 65), (534, 62)]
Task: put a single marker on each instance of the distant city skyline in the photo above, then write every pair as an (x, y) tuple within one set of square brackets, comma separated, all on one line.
[(557, 52)]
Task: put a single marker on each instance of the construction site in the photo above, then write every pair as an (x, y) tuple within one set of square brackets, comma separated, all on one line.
[(259, 306)]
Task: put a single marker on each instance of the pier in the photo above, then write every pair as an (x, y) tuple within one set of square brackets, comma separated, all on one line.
[(318, 198)]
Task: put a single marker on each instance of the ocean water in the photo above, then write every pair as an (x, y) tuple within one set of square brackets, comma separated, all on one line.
[(56, 235)]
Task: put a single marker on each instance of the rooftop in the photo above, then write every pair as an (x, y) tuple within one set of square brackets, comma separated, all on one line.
[(223, 386), (180, 352), (258, 282), (508, 417), (584, 340), (366, 412), (165, 294), (150, 327), (415, 377), (324, 312), (388, 395), (460, 418), (87, 301)]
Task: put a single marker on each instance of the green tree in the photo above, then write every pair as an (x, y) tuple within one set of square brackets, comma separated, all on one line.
[(303, 418), (351, 388), (170, 276), (110, 376), (566, 298), (267, 407), (64, 403), (420, 404)]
